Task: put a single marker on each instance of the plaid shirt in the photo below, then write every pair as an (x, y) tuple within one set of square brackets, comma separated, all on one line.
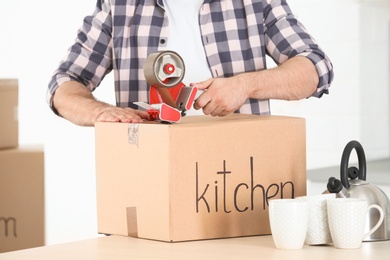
[(237, 36)]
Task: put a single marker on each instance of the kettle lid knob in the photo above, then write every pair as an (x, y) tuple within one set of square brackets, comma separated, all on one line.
[(334, 185)]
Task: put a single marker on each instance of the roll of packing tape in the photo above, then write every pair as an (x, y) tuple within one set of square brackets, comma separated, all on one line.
[(164, 69)]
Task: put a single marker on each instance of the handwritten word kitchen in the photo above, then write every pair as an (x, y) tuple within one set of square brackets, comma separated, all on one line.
[(208, 198)]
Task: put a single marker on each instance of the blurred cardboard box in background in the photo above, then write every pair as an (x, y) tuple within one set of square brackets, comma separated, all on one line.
[(9, 113), (22, 206), (205, 177)]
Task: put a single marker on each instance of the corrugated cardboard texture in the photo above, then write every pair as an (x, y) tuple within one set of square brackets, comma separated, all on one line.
[(21, 198), (200, 179), (8, 113)]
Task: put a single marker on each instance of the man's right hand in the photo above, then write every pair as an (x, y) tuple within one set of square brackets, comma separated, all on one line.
[(75, 102)]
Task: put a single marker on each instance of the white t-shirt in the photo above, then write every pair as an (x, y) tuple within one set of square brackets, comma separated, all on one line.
[(185, 39)]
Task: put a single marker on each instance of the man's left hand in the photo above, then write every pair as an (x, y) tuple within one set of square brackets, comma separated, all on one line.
[(221, 96)]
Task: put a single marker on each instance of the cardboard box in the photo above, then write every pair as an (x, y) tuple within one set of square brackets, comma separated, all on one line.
[(21, 198), (9, 113), (202, 178)]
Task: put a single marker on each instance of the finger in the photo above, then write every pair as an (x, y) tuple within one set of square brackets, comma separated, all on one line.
[(212, 108), (224, 113), (218, 110), (203, 84), (129, 117), (126, 115), (209, 108), (107, 117), (143, 114), (202, 100)]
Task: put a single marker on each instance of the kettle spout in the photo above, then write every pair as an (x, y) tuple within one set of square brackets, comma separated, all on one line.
[(335, 186)]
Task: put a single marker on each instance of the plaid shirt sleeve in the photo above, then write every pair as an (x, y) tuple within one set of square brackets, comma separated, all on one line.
[(287, 37), (89, 59)]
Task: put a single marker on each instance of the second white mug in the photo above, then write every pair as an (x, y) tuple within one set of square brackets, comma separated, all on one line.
[(318, 229)]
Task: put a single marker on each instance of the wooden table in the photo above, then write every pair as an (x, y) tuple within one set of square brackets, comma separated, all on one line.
[(259, 247)]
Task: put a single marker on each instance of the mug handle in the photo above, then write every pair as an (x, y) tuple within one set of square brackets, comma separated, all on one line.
[(379, 221)]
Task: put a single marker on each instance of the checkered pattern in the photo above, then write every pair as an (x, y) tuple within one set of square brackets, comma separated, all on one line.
[(237, 36)]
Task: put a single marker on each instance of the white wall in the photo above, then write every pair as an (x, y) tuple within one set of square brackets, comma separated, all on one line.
[(355, 34), (36, 34)]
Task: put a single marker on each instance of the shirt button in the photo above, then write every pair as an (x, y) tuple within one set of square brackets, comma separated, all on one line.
[(162, 41)]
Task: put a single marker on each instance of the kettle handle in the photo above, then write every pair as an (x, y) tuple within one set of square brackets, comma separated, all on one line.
[(345, 160)]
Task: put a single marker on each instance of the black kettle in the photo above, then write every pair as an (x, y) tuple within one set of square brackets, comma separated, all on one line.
[(353, 184)]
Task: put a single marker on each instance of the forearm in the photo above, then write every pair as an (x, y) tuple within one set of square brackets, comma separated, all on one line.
[(75, 102), (295, 79)]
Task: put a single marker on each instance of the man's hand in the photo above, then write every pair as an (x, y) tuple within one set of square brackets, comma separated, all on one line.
[(221, 96), (118, 114), (76, 103), (295, 79)]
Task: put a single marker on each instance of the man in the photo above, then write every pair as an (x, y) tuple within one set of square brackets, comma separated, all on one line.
[(224, 45)]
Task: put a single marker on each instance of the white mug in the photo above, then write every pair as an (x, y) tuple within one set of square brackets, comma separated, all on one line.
[(288, 221), (347, 220), (318, 229)]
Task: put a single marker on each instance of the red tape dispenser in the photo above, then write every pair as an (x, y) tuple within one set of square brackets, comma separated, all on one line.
[(169, 97)]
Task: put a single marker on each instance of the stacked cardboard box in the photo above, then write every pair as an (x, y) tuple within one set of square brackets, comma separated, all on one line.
[(203, 178), (8, 113), (21, 180)]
